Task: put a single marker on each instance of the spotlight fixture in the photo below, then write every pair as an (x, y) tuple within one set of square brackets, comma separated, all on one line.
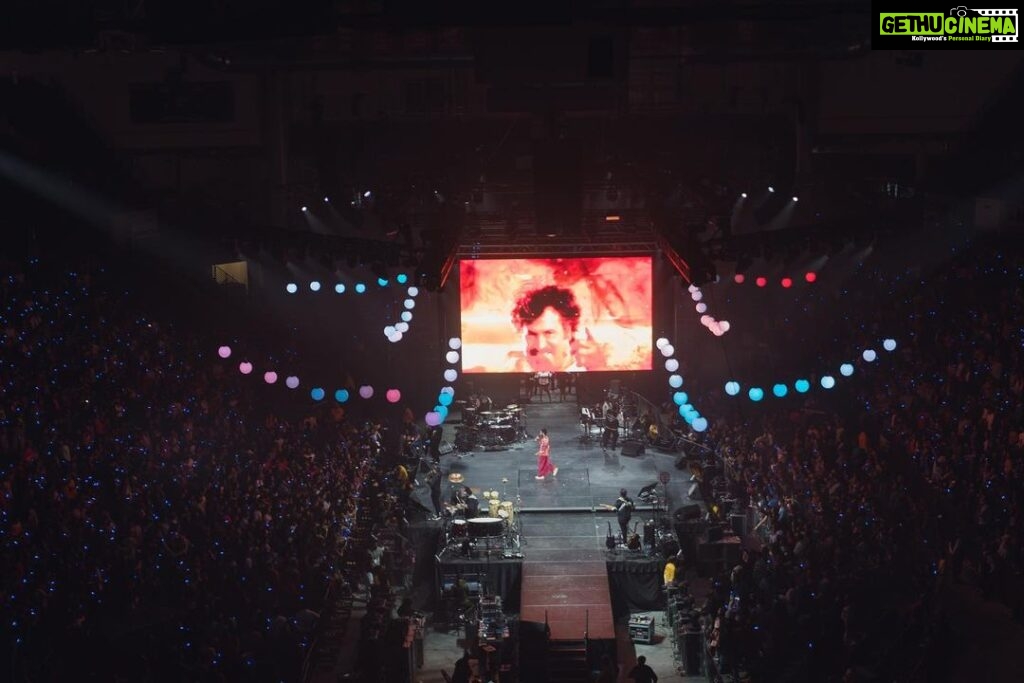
[(367, 194), (743, 195), (795, 198), (327, 199), (771, 189), (305, 209)]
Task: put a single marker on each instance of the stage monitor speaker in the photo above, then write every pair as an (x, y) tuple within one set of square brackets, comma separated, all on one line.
[(632, 448), (649, 531), (685, 513), (693, 493)]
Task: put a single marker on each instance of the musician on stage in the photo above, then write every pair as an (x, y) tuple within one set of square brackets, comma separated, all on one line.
[(611, 428), (464, 500), (544, 464), (624, 512), (434, 481), (434, 437), (544, 380)]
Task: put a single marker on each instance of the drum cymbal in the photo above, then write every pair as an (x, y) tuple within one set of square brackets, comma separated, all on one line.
[(455, 477)]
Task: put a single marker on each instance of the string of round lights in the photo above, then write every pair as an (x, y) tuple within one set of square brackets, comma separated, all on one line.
[(317, 393), (785, 282), (694, 419), (715, 327), (340, 287), (447, 394), (394, 331), (803, 385)]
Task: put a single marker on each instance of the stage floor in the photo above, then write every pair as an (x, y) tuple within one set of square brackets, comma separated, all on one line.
[(588, 475)]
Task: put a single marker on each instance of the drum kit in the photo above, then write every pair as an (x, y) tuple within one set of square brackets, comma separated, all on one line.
[(499, 526), (491, 429)]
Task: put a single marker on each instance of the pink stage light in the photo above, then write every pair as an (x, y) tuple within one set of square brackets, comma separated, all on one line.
[(224, 352), (394, 395), (761, 281), (811, 276), (739, 278), (787, 282), (245, 367), (270, 377)]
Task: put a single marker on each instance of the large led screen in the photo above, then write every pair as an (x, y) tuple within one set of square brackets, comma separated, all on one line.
[(556, 315)]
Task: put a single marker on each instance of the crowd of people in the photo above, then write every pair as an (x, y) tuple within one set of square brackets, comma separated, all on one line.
[(156, 522), (875, 500)]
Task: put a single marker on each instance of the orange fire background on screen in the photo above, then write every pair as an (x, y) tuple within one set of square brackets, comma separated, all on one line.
[(613, 293)]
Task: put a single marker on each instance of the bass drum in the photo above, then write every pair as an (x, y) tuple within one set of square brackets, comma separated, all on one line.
[(486, 527), (459, 528)]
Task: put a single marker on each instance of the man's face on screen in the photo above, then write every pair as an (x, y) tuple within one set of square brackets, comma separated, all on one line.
[(549, 342)]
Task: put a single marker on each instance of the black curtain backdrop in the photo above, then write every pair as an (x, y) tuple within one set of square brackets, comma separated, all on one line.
[(504, 577), (636, 586)]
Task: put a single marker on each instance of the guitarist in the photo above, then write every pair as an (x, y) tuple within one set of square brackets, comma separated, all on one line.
[(624, 512)]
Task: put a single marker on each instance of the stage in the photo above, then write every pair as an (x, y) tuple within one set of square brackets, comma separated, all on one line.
[(561, 570), (588, 475)]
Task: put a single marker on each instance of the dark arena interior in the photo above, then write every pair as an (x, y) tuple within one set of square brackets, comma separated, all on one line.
[(550, 342)]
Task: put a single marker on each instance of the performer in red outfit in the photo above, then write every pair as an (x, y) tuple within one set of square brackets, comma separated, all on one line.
[(544, 464)]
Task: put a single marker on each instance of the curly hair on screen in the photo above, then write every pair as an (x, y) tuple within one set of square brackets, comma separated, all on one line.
[(531, 305)]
